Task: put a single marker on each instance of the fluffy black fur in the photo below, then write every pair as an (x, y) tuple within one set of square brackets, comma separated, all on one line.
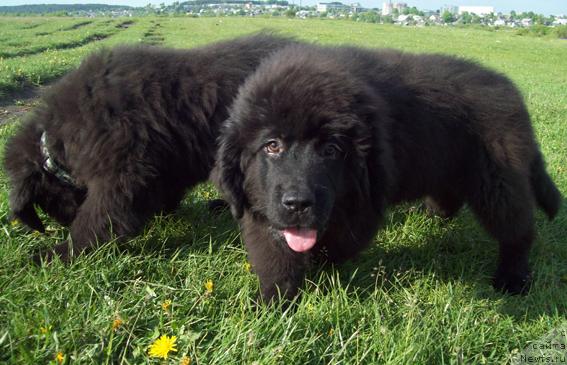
[(135, 127), (327, 138)]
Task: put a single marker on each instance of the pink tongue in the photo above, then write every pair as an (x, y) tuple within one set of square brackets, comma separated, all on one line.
[(300, 239)]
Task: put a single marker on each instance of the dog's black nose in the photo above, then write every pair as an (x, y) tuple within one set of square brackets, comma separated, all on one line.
[(296, 201)]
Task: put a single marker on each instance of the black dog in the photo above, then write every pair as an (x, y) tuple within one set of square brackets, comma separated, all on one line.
[(321, 140), (123, 136)]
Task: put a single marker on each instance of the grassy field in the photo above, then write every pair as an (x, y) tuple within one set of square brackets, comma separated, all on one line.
[(420, 294)]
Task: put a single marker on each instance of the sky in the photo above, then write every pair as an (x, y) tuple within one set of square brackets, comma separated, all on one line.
[(547, 7)]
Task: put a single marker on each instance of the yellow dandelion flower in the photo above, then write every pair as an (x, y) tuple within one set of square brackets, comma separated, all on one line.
[(162, 346), (247, 266), (14, 222), (331, 332), (59, 357), (117, 323), (165, 305), (209, 286), (185, 361), (45, 329)]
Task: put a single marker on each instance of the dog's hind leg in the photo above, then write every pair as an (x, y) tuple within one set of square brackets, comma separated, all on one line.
[(546, 193), (217, 206), (108, 210), (502, 200)]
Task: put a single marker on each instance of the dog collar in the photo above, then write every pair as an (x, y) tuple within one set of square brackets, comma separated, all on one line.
[(51, 166)]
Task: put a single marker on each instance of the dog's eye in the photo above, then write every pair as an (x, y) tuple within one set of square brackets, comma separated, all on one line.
[(273, 147), (331, 150)]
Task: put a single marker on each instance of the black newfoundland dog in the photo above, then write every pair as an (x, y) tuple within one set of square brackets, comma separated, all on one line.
[(123, 136), (321, 140)]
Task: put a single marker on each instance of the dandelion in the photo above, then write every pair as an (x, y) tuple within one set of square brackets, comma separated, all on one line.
[(165, 305), (14, 223), (117, 323), (45, 329), (185, 361), (331, 332), (209, 286), (247, 266), (59, 357), (162, 346)]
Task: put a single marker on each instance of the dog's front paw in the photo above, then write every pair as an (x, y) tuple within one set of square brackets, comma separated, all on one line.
[(285, 291), (62, 251), (512, 282)]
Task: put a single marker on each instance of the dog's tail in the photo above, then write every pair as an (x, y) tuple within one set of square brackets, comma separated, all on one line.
[(546, 193)]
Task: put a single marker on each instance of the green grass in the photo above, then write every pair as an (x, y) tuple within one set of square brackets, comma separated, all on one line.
[(420, 294), (22, 43), (42, 59)]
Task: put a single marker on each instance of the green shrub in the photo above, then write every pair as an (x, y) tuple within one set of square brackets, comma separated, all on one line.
[(561, 31), (539, 30)]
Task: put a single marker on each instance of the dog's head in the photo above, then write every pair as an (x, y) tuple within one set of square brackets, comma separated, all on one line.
[(31, 185), (300, 145)]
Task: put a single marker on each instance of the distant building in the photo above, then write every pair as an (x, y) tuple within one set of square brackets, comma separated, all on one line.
[(303, 14), (388, 7), (356, 8), (450, 8), (478, 10), (526, 22), (400, 7), (500, 22), (327, 7)]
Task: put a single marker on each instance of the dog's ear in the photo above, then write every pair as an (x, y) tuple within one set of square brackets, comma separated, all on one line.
[(21, 203), (229, 175), (374, 143)]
